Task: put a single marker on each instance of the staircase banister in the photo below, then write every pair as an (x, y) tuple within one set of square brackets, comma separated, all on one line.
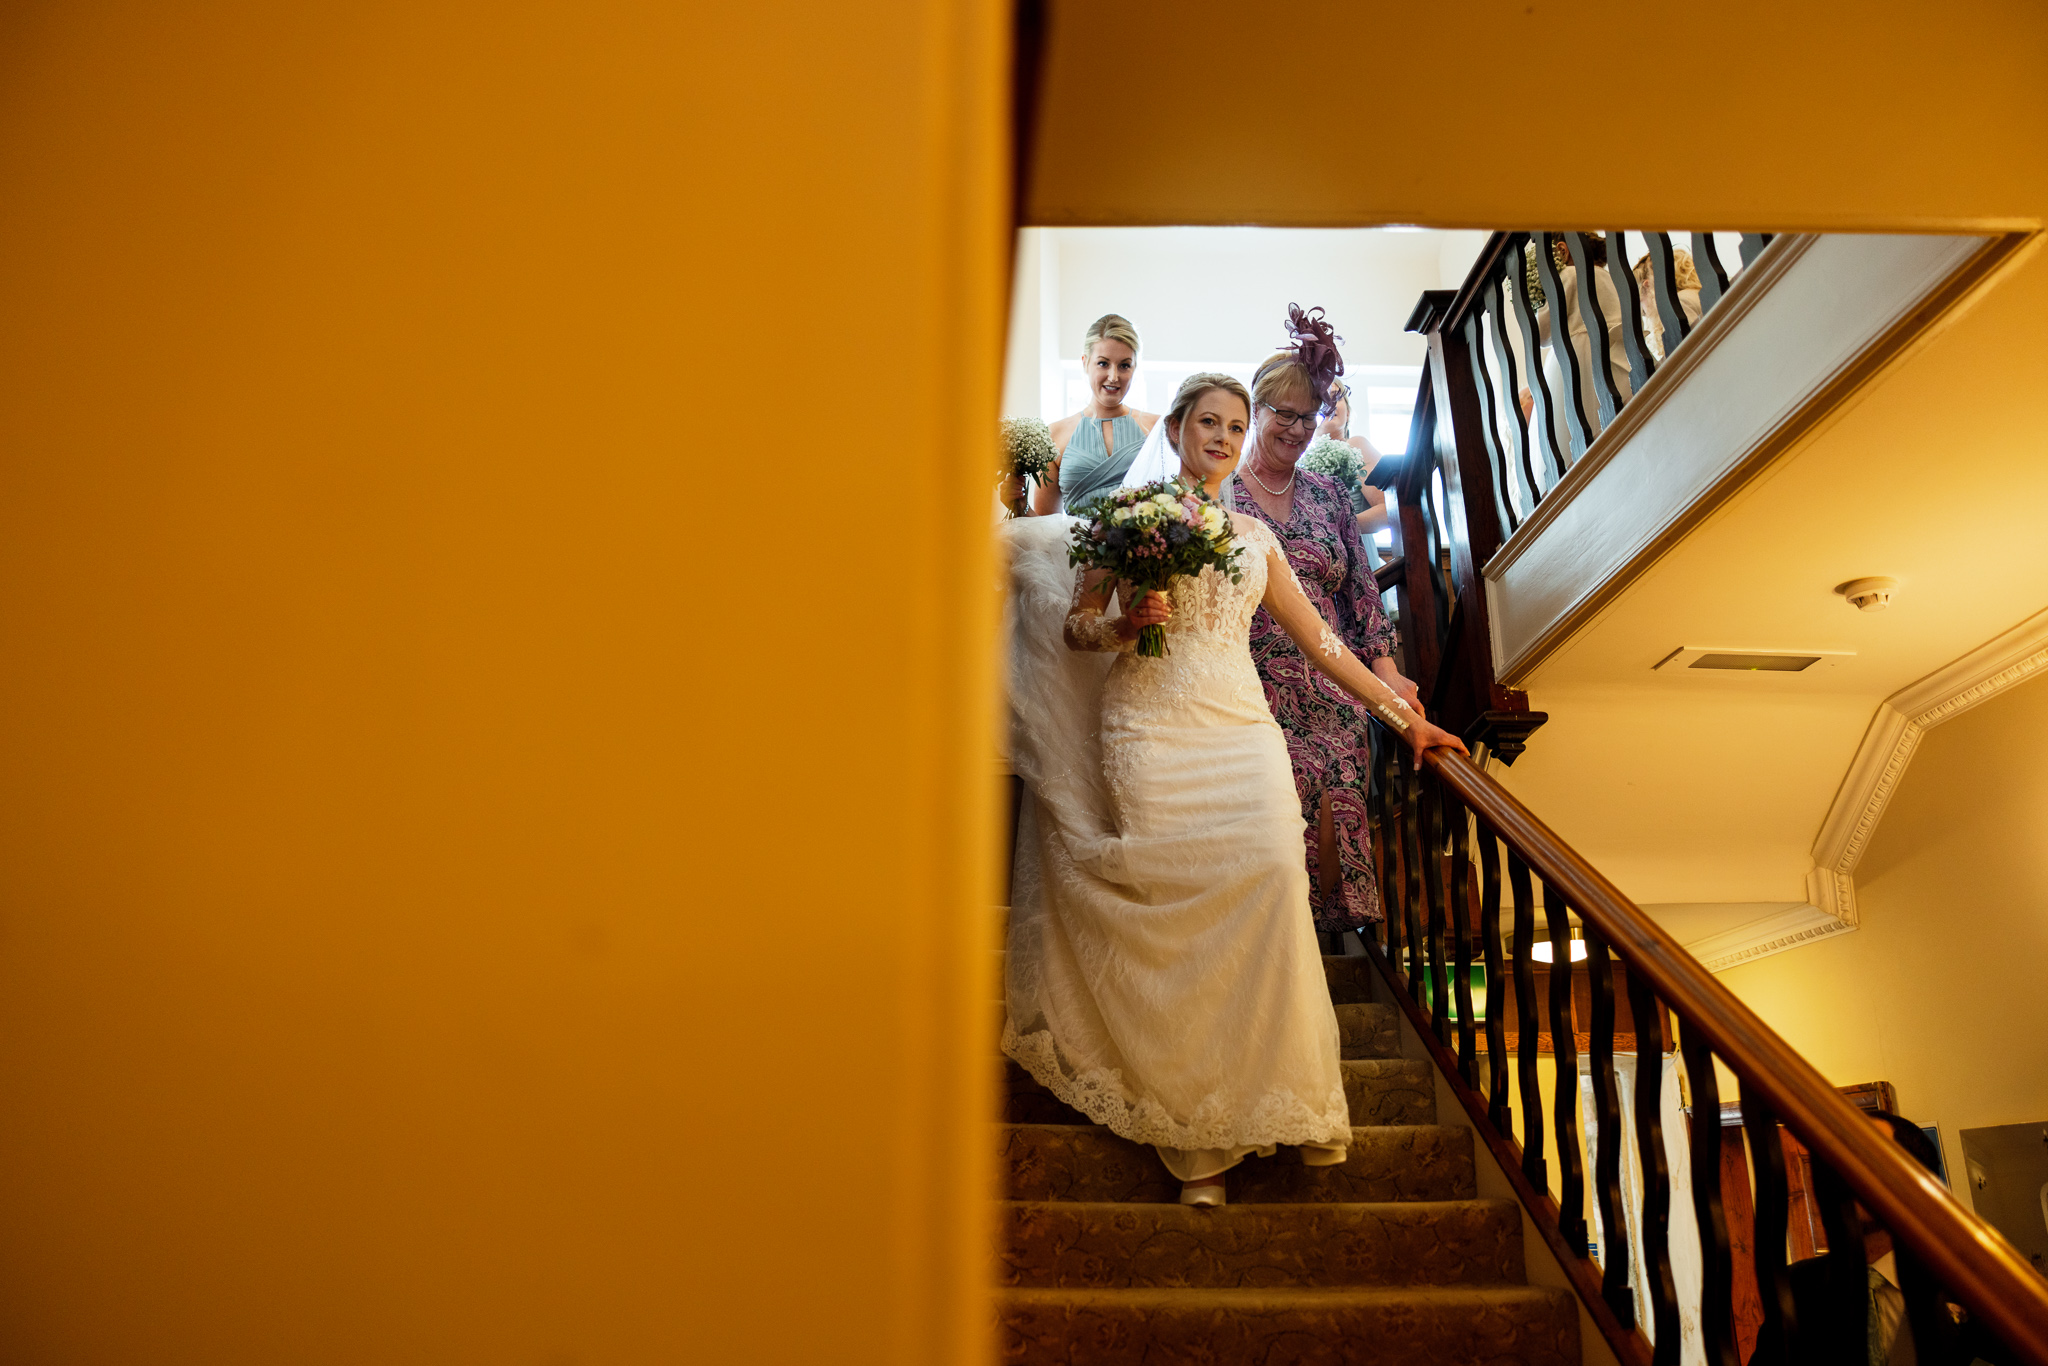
[(1475, 281), (1970, 1257)]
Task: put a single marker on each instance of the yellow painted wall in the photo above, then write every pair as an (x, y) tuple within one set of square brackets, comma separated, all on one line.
[(494, 768), (1749, 114), (1939, 992), (491, 815)]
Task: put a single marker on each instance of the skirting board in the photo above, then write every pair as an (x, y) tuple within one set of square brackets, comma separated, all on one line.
[(1888, 746)]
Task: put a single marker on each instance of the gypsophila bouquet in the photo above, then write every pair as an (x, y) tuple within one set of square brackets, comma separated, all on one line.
[(1148, 537), (1327, 455), (1027, 454)]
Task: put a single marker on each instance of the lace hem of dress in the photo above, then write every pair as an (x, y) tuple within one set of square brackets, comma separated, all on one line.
[(1280, 1117)]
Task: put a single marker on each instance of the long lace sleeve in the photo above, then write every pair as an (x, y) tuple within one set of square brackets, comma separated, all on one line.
[(1289, 606), (1087, 627)]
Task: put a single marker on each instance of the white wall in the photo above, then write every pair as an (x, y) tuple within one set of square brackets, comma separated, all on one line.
[(1020, 366), (1220, 295)]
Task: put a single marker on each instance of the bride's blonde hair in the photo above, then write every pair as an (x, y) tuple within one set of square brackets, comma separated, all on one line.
[(1194, 386)]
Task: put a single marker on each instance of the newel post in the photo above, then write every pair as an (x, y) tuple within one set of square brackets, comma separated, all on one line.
[(1471, 701)]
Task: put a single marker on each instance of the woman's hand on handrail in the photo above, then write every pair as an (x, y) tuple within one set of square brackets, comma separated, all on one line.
[(1422, 736)]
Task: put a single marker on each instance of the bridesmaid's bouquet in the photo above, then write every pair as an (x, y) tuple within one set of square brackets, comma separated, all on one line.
[(1027, 454), (1148, 537), (1327, 455)]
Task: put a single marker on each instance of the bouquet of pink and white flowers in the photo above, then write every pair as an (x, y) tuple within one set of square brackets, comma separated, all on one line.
[(1148, 537)]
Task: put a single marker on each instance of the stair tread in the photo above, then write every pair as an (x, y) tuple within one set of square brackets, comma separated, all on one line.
[(1387, 1162), (1367, 1030), (1100, 1245), (1462, 1202), (1367, 1128), (1449, 1325), (1253, 1296), (1350, 976)]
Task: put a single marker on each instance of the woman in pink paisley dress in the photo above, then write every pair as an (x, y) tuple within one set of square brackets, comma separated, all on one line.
[(1311, 516)]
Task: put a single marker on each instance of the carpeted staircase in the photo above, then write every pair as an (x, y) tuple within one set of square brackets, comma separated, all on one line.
[(1388, 1258)]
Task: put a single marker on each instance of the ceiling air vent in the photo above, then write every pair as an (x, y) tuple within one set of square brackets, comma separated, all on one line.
[(1747, 661)]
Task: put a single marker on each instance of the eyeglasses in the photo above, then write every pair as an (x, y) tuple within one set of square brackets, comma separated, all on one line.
[(1287, 418)]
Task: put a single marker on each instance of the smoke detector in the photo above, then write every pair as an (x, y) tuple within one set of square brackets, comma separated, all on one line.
[(1869, 595)]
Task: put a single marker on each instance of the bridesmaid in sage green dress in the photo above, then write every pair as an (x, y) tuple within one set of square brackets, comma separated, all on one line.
[(1096, 445)]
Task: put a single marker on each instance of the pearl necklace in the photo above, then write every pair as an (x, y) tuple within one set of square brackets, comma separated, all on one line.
[(1280, 492)]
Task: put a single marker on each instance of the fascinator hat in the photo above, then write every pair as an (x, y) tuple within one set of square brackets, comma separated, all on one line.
[(1312, 347)]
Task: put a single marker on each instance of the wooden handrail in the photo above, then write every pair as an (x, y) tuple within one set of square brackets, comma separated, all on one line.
[(1477, 467), (1970, 1257), (1475, 280)]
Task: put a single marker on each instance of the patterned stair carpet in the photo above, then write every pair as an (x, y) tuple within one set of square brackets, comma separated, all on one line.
[(1387, 1258)]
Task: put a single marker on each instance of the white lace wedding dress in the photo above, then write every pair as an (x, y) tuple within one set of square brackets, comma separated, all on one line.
[(1164, 977)]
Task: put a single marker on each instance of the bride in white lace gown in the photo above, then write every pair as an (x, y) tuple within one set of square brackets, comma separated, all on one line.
[(1164, 976)]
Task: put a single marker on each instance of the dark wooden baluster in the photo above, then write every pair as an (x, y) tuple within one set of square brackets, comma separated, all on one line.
[(1398, 762), (1837, 1329), (1461, 940), (1383, 853), (1936, 1336), (1526, 1027), (1753, 244), (1664, 290), (1717, 1270), (1641, 363), (1396, 873), (1607, 394), (1416, 595), (1375, 843), (1607, 1196), (1564, 1052), (1579, 430), (1446, 592), (1412, 857), (1497, 1108), (1706, 259), (1434, 896), (1496, 460), (1649, 1098), (1773, 1285), (1542, 429), (1510, 379)]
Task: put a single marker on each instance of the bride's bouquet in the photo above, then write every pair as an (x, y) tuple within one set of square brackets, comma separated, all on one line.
[(1148, 537), (1027, 454)]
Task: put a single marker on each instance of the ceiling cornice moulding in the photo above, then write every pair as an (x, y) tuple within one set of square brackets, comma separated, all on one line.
[(1888, 745), (1792, 928)]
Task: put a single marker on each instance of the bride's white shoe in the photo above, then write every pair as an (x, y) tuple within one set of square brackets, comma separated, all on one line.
[(1208, 1193)]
